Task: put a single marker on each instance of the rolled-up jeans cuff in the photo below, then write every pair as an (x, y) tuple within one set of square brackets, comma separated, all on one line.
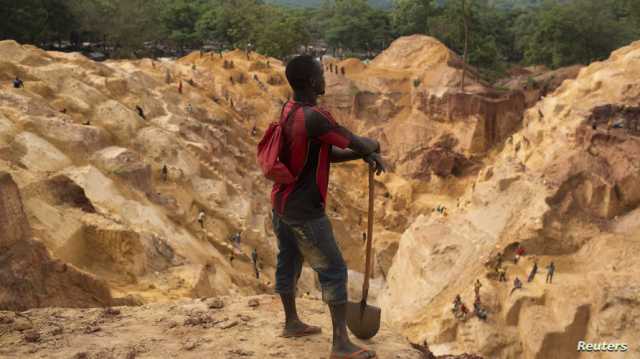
[(335, 302), (336, 293)]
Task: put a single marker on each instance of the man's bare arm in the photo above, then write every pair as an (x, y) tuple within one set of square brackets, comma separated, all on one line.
[(363, 146), (317, 126), (340, 155)]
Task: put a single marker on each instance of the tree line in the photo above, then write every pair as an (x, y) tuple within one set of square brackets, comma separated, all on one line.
[(501, 32)]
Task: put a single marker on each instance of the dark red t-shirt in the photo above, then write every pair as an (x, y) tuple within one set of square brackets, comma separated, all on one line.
[(308, 136)]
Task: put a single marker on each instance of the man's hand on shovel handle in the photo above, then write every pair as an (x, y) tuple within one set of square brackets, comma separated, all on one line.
[(375, 160)]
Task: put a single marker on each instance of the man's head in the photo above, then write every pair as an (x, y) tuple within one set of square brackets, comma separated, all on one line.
[(304, 73)]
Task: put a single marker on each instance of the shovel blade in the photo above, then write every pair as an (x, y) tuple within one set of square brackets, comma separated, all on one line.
[(363, 320)]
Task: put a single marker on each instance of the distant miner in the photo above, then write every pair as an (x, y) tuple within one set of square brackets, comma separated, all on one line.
[(517, 284), (140, 112), (201, 219), (254, 260), (502, 275), (17, 83), (476, 287), (533, 272), (164, 172), (551, 269)]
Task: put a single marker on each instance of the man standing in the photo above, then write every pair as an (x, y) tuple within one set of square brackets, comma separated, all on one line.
[(499, 260), (551, 268), (517, 284), (165, 173), (476, 288), (201, 219), (254, 259), (533, 272), (236, 241), (502, 274), (312, 139)]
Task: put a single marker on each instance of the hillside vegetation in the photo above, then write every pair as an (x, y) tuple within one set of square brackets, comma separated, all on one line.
[(501, 32)]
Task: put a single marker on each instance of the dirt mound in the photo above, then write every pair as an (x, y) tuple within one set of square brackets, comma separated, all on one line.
[(413, 52), (29, 276)]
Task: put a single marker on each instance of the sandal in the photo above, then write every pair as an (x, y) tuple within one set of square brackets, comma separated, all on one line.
[(354, 355), (308, 330)]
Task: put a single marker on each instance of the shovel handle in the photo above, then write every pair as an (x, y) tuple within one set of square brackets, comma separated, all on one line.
[(367, 269)]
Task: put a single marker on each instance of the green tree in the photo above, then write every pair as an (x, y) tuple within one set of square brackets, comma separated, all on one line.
[(234, 22), (356, 26), (412, 16), (124, 24), (282, 33), (578, 32), (489, 41), (179, 18), (36, 21)]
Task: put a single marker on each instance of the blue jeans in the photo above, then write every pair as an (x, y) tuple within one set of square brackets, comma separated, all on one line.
[(311, 240)]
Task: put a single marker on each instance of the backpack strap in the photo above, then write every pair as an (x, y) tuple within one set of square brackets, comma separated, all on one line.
[(295, 108)]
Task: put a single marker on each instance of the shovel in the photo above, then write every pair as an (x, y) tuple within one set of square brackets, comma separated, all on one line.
[(364, 320)]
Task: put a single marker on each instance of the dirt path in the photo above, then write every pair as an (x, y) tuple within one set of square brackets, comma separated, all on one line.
[(185, 329)]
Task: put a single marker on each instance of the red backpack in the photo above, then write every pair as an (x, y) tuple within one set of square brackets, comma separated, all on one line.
[(269, 151)]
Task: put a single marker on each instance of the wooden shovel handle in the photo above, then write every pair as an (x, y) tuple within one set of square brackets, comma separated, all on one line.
[(367, 269)]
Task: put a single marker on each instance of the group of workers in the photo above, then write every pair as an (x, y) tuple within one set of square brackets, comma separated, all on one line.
[(460, 310), (235, 239)]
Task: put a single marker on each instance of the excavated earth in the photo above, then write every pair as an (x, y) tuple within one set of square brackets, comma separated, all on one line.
[(565, 187), (93, 223)]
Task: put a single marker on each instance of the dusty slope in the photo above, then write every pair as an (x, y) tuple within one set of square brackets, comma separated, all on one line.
[(409, 98), (566, 187), (29, 277), (256, 88), (143, 225), (89, 168), (434, 135), (212, 328)]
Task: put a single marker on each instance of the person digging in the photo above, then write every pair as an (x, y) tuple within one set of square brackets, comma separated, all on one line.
[(311, 141)]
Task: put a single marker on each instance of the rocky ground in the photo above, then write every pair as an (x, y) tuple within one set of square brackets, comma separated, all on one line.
[(221, 327)]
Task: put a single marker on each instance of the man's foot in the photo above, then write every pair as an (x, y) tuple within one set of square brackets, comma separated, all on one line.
[(299, 329), (351, 351)]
